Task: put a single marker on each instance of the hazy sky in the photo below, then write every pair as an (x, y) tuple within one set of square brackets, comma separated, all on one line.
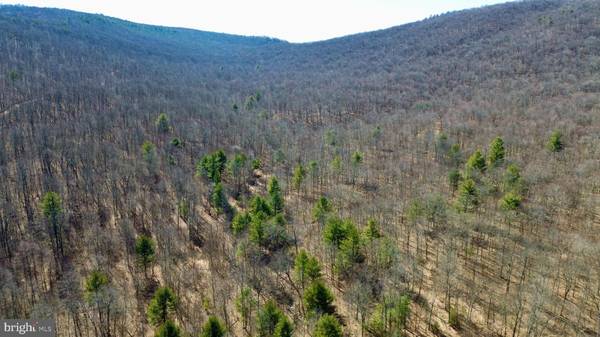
[(295, 21)]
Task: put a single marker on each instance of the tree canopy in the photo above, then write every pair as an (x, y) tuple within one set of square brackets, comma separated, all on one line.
[(212, 166), (213, 328), (496, 152), (328, 326), (145, 251), (476, 162), (168, 329), (555, 142), (318, 299), (161, 306)]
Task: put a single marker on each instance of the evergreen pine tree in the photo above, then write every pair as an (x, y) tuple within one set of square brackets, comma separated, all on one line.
[(213, 328), (240, 222), (168, 329), (218, 200), (357, 159), (328, 326), (496, 152), (52, 210), (454, 178), (476, 162), (468, 197), (321, 209), (145, 251), (212, 166), (149, 152), (283, 328), (94, 284), (244, 304), (298, 178), (306, 268), (371, 231), (555, 143), (162, 123), (510, 201), (267, 320), (257, 233), (454, 155), (318, 299), (161, 306), (512, 178), (350, 248), (275, 195), (260, 209), (335, 232)]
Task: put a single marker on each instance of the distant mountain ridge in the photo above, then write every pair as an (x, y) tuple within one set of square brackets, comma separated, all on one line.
[(385, 62)]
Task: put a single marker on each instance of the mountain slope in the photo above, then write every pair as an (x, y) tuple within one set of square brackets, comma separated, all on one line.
[(398, 66), (386, 125)]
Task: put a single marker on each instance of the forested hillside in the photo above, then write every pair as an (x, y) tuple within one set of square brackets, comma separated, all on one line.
[(439, 178)]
